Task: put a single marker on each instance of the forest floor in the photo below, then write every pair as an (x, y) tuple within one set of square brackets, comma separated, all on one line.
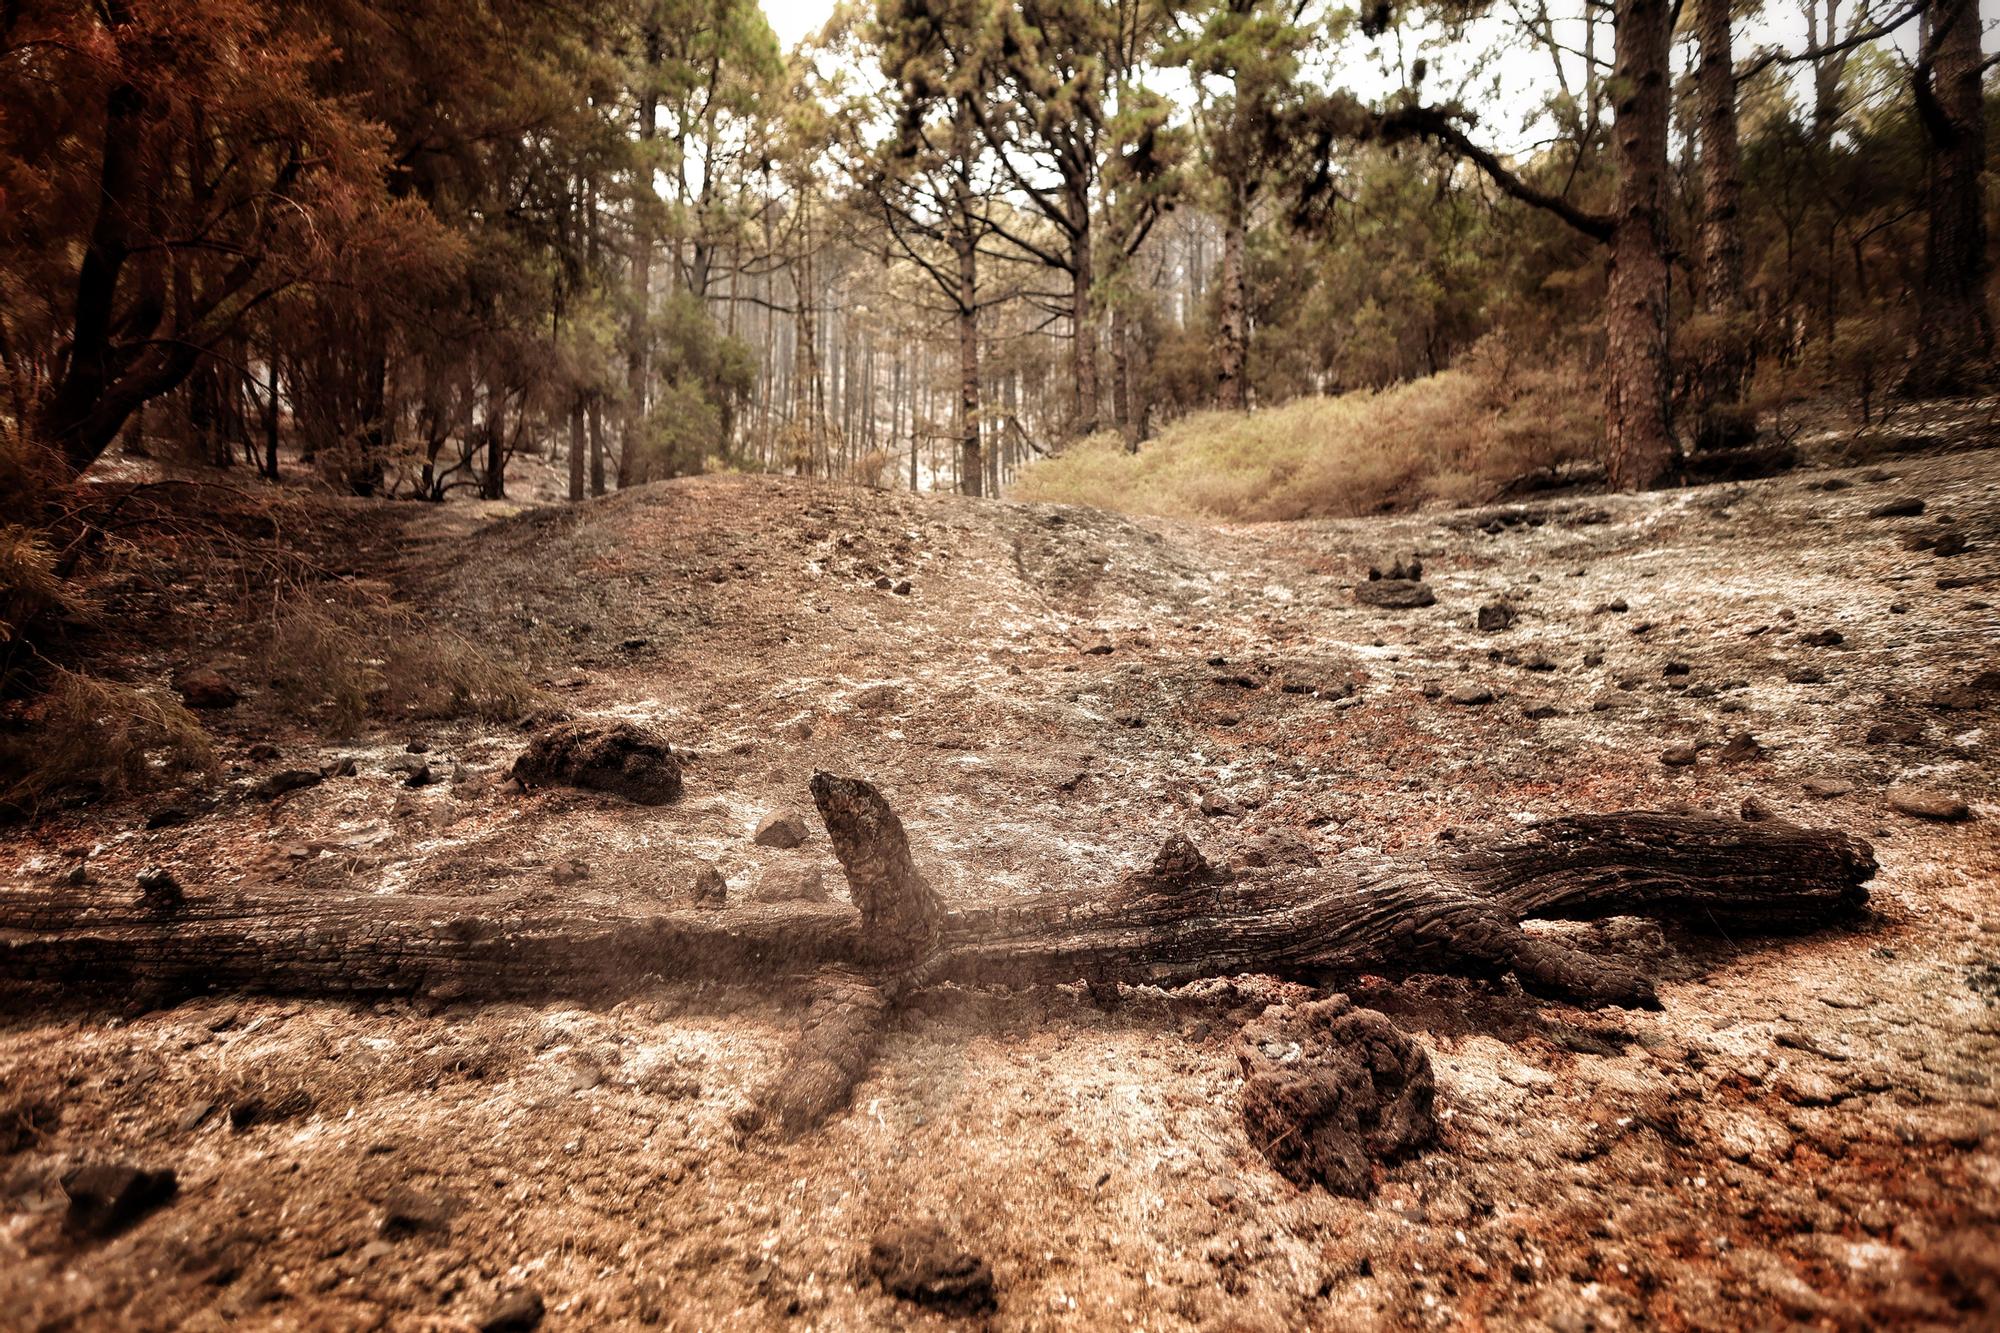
[(1808, 1130)]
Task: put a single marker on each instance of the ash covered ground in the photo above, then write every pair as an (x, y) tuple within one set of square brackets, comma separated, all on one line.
[(1806, 1132)]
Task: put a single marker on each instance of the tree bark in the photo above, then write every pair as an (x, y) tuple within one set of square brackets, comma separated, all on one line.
[(1231, 320), (1954, 327), (1720, 421), (971, 467), (1083, 316), (576, 451), (638, 337), (1174, 922), (1638, 429)]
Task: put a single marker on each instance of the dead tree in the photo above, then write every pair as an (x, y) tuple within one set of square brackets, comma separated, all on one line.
[(1178, 920)]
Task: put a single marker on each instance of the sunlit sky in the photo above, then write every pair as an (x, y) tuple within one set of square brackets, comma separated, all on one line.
[(1509, 88)]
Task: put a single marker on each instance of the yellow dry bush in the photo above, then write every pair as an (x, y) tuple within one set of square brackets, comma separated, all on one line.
[(90, 738), (339, 668), (1454, 438)]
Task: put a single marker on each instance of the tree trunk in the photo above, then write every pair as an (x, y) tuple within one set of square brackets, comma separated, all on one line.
[(576, 451), (1638, 429), (1084, 318), (1954, 328), (596, 447), (1229, 387), (638, 319), (971, 466), (1174, 922), (1721, 421)]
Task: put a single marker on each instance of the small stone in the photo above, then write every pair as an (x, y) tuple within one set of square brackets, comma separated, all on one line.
[(107, 1197), (885, 583), (1933, 805), (1823, 638), (780, 830), (1675, 669), (286, 781), (1739, 749), (1680, 755), (1470, 696), (419, 776), (923, 1265), (1098, 650), (1805, 675), (1495, 616), (1905, 506), (1394, 594), (1616, 606), (1537, 712), (1825, 789), (159, 889), (1756, 810), (1803, 1087), (614, 757), (1216, 805), (408, 1210), (263, 752), (1895, 732), (569, 871), (517, 1312), (206, 687), (789, 884), (902, 589), (710, 888)]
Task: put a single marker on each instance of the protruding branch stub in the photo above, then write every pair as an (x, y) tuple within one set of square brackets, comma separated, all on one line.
[(900, 914)]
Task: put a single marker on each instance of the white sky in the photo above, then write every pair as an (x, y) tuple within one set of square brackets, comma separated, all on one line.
[(1511, 88)]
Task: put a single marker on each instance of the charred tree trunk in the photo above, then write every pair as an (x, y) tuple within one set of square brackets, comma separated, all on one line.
[(1083, 316), (1639, 445), (1174, 922), (1720, 419), (971, 467), (1229, 387), (1954, 327)]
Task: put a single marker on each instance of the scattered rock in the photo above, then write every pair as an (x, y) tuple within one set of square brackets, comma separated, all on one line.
[(168, 816), (1895, 732), (1537, 712), (419, 775), (1803, 1087), (781, 830), (922, 1264), (1329, 1090), (1495, 616), (1394, 594), (159, 889), (1675, 669), (408, 1210), (263, 752), (710, 888), (1680, 755), (517, 1312), (790, 884), (1933, 805), (1216, 805), (1823, 638), (1615, 606), (106, 1197), (1825, 789), (1905, 506), (1740, 749), (569, 871), (206, 687), (614, 757), (265, 1107), (1470, 695), (902, 589), (1805, 675), (286, 781)]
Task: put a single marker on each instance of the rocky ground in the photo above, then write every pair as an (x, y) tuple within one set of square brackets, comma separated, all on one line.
[(1807, 1132)]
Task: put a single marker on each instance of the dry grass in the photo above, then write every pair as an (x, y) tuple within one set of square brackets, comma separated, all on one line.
[(339, 668), (1455, 438), (89, 738)]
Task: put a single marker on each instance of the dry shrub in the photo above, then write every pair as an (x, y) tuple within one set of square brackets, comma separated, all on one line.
[(1455, 438), (89, 738), (874, 468), (32, 595), (340, 667)]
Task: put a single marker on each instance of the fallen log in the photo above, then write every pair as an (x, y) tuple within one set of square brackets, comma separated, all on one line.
[(1329, 1090), (1457, 910)]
